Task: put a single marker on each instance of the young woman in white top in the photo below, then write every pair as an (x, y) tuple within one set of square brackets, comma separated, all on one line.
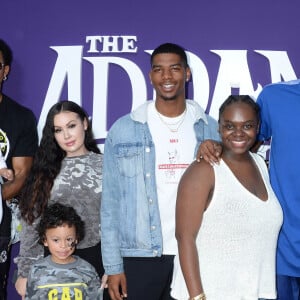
[(228, 217)]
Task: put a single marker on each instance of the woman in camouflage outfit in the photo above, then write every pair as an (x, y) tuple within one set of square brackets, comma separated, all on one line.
[(67, 168)]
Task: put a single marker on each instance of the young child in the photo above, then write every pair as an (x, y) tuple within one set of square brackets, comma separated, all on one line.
[(62, 275)]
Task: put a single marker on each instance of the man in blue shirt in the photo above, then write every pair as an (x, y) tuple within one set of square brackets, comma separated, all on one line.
[(280, 110)]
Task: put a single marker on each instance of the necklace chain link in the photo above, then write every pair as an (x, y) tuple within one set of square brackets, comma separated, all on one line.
[(169, 125)]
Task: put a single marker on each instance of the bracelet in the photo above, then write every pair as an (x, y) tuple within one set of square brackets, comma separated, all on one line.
[(199, 297)]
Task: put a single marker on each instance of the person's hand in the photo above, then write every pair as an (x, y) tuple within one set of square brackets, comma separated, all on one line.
[(104, 280), (210, 151), (117, 286), (20, 286), (8, 174)]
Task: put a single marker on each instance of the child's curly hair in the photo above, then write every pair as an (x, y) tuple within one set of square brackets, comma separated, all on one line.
[(56, 215)]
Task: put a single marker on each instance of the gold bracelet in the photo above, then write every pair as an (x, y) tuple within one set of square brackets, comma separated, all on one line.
[(199, 297)]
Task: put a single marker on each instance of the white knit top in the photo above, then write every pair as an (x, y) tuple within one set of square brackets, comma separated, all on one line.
[(236, 242)]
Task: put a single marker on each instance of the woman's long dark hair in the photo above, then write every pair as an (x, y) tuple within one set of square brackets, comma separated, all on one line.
[(47, 162)]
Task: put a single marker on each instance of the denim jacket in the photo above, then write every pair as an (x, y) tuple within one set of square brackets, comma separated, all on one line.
[(130, 218)]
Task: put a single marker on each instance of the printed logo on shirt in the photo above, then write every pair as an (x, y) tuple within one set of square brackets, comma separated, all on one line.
[(172, 165), (4, 144), (65, 291), (66, 294)]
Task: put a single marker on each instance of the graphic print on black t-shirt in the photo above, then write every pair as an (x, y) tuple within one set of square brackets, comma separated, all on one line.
[(4, 144)]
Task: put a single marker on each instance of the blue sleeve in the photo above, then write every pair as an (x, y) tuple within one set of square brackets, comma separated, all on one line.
[(112, 259), (265, 132)]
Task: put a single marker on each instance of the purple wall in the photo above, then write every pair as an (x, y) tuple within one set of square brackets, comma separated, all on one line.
[(97, 52)]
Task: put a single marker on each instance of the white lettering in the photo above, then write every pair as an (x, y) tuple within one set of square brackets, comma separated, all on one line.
[(280, 65), (233, 73), (112, 44), (93, 43), (200, 79), (67, 68), (129, 44), (101, 71)]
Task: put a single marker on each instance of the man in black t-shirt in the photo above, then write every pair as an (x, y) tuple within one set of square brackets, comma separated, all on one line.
[(18, 141)]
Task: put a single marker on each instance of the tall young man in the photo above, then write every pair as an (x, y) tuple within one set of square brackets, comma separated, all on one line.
[(145, 154)]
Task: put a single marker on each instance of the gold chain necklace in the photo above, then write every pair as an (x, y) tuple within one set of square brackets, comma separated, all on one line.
[(177, 124)]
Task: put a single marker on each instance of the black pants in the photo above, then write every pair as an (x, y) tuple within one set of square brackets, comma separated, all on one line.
[(4, 250), (288, 288), (149, 278)]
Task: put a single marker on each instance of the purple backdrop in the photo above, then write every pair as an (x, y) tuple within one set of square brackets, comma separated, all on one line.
[(97, 52)]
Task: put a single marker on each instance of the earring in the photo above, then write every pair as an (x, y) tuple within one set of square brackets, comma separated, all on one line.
[(4, 78)]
